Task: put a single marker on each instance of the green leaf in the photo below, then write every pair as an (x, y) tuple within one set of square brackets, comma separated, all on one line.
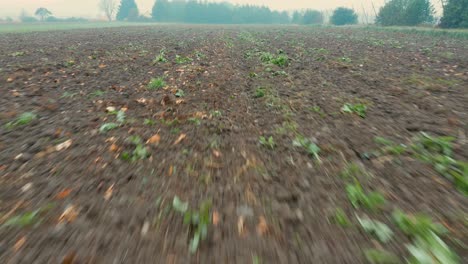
[(179, 205), (377, 228), (107, 127), (376, 256), (194, 243)]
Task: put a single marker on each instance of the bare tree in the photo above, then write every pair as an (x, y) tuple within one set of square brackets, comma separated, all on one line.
[(108, 7)]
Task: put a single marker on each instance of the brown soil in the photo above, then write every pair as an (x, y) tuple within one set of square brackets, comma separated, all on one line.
[(122, 210)]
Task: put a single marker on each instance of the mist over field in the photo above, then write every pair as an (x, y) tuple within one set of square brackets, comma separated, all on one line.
[(89, 8)]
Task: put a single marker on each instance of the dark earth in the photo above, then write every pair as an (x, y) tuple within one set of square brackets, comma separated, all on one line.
[(77, 197)]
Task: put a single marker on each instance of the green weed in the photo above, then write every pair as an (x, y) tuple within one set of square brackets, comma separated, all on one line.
[(108, 127), (180, 93), (97, 93), (358, 197), (156, 83), (341, 218), (182, 60), (309, 146), (260, 92), (160, 57), (376, 228), (139, 153), (197, 220), (427, 246), (267, 142), (359, 109), (18, 54), (149, 122), (380, 256), (23, 119)]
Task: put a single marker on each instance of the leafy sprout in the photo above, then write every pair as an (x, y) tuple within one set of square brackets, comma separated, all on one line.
[(359, 109), (267, 142), (23, 119), (156, 83)]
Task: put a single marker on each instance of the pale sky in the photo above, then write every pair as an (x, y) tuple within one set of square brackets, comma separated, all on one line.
[(89, 8)]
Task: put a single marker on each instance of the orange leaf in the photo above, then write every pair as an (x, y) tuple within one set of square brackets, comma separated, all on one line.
[(19, 243), (63, 194), (181, 137), (63, 145), (215, 218), (108, 193), (154, 139), (113, 148), (171, 170), (262, 226)]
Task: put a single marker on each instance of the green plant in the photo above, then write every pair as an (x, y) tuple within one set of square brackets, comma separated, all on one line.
[(182, 60), (252, 75), (341, 218), (195, 120), (18, 54), (353, 171), (345, 59), (180, 93), (216, 113), (149, 122), (391, 147), (23, 119), (358, 197), (139, 153), (70, 63), (380, 256), (23, 220), (307, 144), (160, 57), (280, 60), (436, 151), (260, 92), (107, 127), (156, 83), (359, 109), (68, 95), (270, 143), (427, 246), (97, 93), (197, 220), (317, 110), (376, 228)]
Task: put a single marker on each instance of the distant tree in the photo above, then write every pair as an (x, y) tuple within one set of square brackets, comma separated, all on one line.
[(108, 7), (43, 13), (405, 13), (128, 10), (9, 19), (344, 16), (312, 17), (455, 14), (297, 17), (160, 10)]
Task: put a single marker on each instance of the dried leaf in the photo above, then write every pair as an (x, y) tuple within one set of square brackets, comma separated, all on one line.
[(69, 258), (63, 145), (241, 226), (110, 109), (154, 139), (113, 148), (69, 214), (180, 101), (181, 137), (63, 194), (101, 66), (262, 226), (171, 170), (216, 153), (19, 243), (108, 193), (141, 100), (215, 218)]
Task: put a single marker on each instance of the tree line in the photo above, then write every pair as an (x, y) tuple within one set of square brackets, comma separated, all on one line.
[(393, 13), (204, 12)]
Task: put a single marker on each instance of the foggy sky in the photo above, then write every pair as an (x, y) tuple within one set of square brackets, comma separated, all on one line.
[(89, 8)]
